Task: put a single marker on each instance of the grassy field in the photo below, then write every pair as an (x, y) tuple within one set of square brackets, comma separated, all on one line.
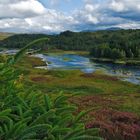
[(5, 35), (129, 62), (115, 104), (58, 51), (75, 82)]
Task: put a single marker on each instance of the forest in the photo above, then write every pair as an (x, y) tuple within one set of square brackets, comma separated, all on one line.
[(118, 44)]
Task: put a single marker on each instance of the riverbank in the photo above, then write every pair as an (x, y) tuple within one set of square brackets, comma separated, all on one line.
[(128, 62), (115, 104), (62, 60), (77, 82), (58, 51)]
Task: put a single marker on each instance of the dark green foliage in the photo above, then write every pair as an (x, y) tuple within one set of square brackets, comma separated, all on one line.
[(121, 43), (23, 50), (20, 40), (104, 51), (27, 115)]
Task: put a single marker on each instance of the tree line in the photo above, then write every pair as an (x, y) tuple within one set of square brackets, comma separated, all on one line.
[(106, 44)]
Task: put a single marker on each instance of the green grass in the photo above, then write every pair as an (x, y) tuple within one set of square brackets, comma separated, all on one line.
[(5, 35), (96, 91), (131, 62), (75, 82), (75, 78), (57, 51)]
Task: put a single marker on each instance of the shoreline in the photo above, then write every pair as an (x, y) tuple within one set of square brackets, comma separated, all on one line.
[(128, 62), (119, 62)]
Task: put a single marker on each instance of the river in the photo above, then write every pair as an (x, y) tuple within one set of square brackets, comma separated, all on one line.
[(73, 61), (77, 62)]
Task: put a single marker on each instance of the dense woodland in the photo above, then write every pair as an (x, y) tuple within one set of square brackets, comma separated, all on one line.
[(101, 44)]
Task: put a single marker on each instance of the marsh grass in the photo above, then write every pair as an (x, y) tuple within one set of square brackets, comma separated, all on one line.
[(96, 90), (71, 80), (27, 113)]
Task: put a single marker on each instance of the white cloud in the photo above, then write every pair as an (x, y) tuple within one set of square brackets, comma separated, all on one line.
[(117, 6), (125, 5), (89, 7), (56, 2), (129, 25), (89, 14), (32, 16), (110, 13), (50, 21), (20, 8)]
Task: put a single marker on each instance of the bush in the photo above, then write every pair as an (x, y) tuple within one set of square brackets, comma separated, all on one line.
[(27, 115), (116, 125)]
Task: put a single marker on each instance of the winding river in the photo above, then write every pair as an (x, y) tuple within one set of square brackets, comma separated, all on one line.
[(73, 61)]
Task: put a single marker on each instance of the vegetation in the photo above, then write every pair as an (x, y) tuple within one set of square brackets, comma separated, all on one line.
[(102, 44), (28, 114), (20, 40), (28, 96), (5, 35), (112, 100), (105, 51)]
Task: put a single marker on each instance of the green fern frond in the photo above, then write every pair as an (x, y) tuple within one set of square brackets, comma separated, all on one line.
[(60, 100), (32, 129), (47, 102), (43, 117)]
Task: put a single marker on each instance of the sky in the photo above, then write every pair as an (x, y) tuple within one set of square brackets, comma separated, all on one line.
[(54, 16)]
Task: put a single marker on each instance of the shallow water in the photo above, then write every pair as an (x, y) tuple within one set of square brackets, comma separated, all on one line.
[(9, 52), (72, 61)]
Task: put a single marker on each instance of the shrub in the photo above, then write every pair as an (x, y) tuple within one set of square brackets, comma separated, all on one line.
[(116, 125), (27, 115)]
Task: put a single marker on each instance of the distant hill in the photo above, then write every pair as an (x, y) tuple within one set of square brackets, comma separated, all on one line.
[(18, 40), (125, 41), (107, 29), (5, 35), (114, 29)]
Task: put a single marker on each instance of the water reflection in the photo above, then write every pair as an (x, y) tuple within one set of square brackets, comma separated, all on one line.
[(72, 61), (9, 52)]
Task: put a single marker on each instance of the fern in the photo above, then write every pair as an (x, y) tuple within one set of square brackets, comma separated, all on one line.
[(29, 115), (41, 119), (23, 50), (47, 102), (60, 100)]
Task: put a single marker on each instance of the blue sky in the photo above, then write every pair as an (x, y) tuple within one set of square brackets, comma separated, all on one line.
[(54, 16), (66, 6)]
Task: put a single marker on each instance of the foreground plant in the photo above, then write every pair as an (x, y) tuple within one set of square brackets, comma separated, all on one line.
[(27, 114)]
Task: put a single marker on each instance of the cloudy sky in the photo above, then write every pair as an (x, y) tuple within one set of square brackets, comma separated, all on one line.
[(54, 16)]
